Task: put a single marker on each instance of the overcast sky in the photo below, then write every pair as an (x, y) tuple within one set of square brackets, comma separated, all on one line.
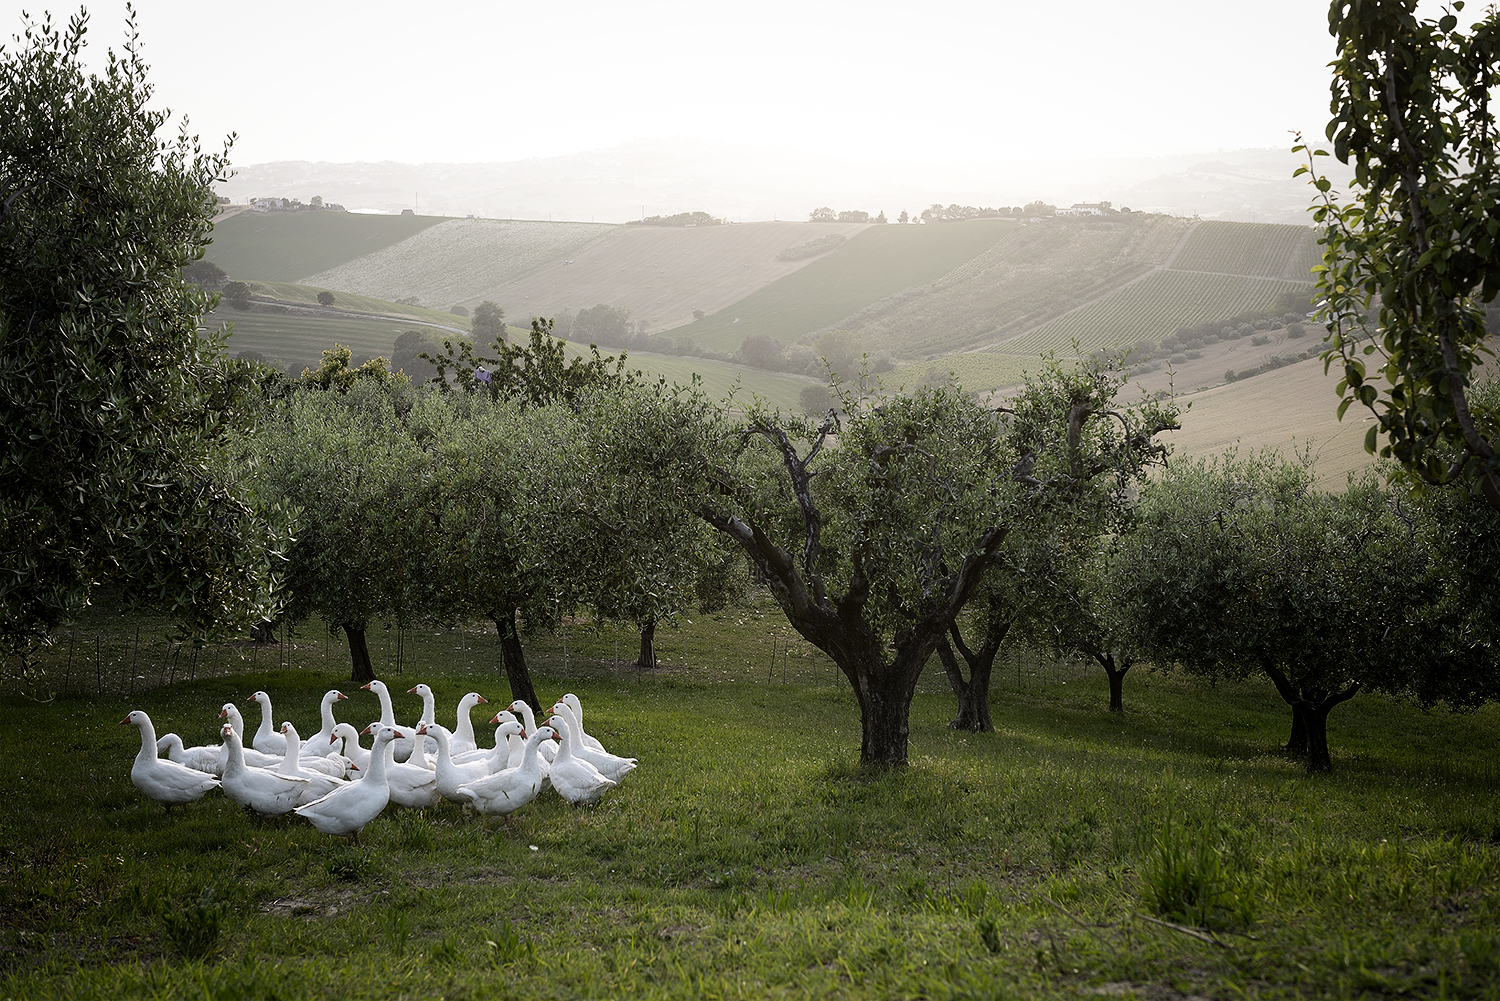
[(937, 81)]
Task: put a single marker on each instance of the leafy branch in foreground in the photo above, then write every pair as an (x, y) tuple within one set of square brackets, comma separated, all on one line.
[(1418, 242)]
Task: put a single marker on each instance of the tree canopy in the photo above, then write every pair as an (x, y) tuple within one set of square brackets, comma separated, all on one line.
[(110, 399)]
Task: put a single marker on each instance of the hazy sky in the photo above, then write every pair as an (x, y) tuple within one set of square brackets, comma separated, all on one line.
[(939, 81)]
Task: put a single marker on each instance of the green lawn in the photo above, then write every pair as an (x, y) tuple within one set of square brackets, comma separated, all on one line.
[(287, 246), (1166, 852)]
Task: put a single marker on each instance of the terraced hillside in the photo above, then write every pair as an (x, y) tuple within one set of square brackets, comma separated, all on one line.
[(663, 274), (1026, 278), (460, 261), (289, 246), (879, 262)]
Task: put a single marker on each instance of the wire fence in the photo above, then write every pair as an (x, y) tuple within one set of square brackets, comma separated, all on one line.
[(106, 653)]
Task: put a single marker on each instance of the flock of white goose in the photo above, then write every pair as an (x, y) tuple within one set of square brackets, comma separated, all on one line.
[(340, 786)]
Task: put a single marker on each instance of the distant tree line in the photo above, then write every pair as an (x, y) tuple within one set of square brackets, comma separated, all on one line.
[(958, 213), (680, 219), (827, 214)]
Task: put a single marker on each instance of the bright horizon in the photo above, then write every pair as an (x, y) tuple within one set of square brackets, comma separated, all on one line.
[(949, 84)]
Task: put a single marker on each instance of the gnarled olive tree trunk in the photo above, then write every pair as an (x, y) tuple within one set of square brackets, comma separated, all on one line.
[(359, 652), (513, 655), (646, 660), (973, 693), (1310, 709)]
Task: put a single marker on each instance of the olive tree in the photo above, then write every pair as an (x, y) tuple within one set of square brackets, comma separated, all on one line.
[(1241, 565), (873, 529), (1418, 241), (644, 557), (359, 485), (110, 397), (503, 540)]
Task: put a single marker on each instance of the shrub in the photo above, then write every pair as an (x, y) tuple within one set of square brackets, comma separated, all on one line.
[(325, 298), (1296, 331)]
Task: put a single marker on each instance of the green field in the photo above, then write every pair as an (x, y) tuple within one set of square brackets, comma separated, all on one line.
[(292, 342), (878, 262), (366, 304), (1239, 248), (287, 246), (1019, 283), (1153, 308), (718, 378), (1172, 851)]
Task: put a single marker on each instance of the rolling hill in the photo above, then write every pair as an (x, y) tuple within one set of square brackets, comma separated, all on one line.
[(290, 246), (982, 299)]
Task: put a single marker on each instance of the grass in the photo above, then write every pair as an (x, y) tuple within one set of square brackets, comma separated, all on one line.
[(293, 292), (292, 342), (1169, 851), (289, 246)]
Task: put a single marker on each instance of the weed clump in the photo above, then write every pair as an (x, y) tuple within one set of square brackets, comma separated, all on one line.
[(194, 927)]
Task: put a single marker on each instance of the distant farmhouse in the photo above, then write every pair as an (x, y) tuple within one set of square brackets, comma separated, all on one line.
[(294, 205), (1087, 208)]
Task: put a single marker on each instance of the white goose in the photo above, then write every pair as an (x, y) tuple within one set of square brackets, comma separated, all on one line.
[(507, 791), (574, 704), (611, 766), (320, 744), (358, 757), (412, 783), (169, 783), (401, 746), (253, 758), (462, 738), (575, 779), (268, 793), (497, 721), (333, 765), (319, 784), (548, 751), (345, 811), (451, 776), (429, 711), (267, 739), (204, 758)]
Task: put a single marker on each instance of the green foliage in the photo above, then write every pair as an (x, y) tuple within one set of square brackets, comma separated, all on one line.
[(1418, 242), (325, 298), (336, 375), (538, 373), (488, 324), (109, 415), (680, 219)]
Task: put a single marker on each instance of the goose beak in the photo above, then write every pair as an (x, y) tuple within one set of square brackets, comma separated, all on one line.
[(365, 687), (411, 691), (125, 721), (341, 696), (483, 701)]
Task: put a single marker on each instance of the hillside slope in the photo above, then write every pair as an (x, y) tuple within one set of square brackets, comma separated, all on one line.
[(881, 261), (289, 246), (662, 274), (460, 261), (1292, 408)]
